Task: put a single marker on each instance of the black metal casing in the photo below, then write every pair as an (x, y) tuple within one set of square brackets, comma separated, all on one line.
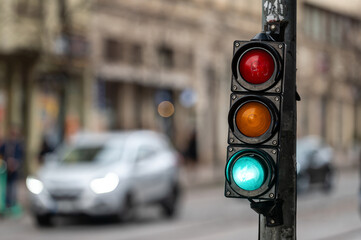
[(270, 94)]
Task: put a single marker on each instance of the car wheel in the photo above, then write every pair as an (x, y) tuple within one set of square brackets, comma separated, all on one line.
[(328, 182), (170, 203), (127, 211), (43, 220)]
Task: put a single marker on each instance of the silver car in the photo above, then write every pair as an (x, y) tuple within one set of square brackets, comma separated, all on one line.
[(101, 174)]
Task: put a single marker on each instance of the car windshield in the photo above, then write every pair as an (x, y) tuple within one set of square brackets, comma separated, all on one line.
[(92, 154)]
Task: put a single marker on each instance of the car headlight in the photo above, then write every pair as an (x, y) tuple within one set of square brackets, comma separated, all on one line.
[(34, 185), (105, 184)]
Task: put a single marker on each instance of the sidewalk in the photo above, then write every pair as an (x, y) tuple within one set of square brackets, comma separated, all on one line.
[(17, 210)]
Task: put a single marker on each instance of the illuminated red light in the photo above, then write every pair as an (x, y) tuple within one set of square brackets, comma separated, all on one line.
[(256, 66)]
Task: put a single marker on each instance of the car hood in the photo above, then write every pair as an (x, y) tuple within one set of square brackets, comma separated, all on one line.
[(74, 175)]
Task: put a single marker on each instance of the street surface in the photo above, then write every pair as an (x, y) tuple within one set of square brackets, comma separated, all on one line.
[(206, 215)]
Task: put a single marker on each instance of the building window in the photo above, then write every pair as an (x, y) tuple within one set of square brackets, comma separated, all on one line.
[(316, 24), (185, 60), (113, 50), (327, 26), (29, 8), (166, 57), (136, 54), (188, 60)]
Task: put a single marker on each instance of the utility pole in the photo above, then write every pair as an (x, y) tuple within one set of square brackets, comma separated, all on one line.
[(66, 72), (261, 152), (279, 19)]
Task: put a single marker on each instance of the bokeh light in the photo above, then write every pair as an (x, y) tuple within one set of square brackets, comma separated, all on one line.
[(166, 109)]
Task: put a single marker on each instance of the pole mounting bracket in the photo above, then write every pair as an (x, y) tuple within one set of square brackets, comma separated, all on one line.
[(272, 210)]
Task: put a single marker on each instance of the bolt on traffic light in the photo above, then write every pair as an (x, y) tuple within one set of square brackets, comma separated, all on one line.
[(254, 119)]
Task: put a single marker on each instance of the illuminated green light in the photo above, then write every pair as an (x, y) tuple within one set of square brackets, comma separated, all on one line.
[(248, 173)]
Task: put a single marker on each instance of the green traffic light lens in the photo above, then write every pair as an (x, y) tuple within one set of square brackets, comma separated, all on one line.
[(248, 173)]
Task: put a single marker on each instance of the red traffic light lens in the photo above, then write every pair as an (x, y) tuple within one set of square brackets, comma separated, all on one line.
[(253, 119), (256, 66)]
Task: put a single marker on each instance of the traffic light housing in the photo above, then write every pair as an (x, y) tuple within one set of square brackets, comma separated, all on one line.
[(254, 117)]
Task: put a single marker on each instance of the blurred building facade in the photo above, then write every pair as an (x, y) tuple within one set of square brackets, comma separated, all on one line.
[(148, 52), (101, 65), (329, 76), (175, 46), (43, 61)]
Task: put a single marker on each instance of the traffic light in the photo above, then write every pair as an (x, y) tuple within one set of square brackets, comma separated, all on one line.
[(254, 118)]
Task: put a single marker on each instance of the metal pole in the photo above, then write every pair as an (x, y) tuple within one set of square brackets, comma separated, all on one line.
[(284, 13)]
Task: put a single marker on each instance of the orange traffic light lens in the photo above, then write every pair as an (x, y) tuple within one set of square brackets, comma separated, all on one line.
[(253, 119), (256, 66)]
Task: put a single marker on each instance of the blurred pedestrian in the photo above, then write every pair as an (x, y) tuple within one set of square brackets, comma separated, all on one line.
[(190, 157), (12, 153), (190, 154), (44, 150)]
